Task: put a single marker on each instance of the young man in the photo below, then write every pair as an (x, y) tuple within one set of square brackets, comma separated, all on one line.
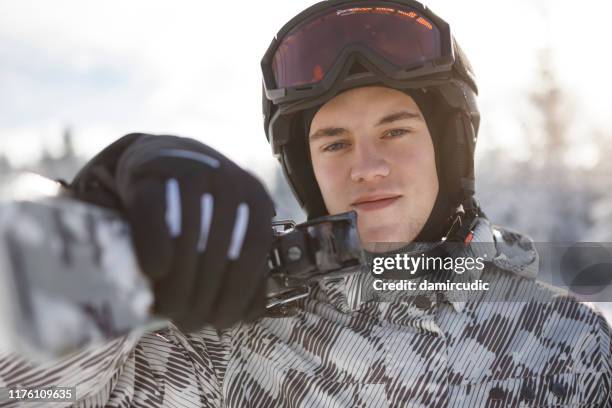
[(370, 106)]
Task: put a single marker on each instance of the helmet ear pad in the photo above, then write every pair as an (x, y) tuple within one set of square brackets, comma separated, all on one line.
[(458, 157), (435, 114), (454, 139), (297, 165)]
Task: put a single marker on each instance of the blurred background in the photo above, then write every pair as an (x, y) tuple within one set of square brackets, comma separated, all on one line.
[(76, 75)]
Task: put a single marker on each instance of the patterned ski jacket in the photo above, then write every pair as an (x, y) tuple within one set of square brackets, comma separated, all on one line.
[(348, 345)]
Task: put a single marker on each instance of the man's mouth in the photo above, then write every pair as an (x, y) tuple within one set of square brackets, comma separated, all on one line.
[(375, 202)]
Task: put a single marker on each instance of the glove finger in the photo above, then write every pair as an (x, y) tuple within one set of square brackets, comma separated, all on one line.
[(248, 266), (213, 245), (145, 212), (172, 292)]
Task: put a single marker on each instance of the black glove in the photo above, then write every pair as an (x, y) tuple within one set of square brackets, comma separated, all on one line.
[(201, 225)]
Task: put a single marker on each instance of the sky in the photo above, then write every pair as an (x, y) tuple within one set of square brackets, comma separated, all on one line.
[(191, 68)]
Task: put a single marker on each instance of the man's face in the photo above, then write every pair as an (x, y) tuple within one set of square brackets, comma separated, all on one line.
[(372, 152)]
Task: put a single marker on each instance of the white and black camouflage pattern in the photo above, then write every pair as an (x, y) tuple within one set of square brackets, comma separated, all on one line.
[(350, 346), (68, 276)]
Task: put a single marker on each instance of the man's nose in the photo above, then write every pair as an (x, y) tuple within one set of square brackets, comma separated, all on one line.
[(369, 163)]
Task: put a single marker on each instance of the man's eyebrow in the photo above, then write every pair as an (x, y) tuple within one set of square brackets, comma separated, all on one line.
[(399, 116), (328, 131), (336, 131)]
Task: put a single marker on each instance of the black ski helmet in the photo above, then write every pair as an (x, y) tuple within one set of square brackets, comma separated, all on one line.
[(434, 71)]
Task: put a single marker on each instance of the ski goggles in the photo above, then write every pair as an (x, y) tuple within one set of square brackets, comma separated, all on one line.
[(401, 39)]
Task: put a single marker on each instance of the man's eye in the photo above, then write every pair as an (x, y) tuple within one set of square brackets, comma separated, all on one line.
[(395, 132), (335, 146)]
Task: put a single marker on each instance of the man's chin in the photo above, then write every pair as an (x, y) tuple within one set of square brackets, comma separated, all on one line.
[(380, 247), (387, 236), (382, 239)]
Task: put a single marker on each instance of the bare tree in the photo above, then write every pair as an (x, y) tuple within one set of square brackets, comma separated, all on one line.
[(542, 197), (556, 114)]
